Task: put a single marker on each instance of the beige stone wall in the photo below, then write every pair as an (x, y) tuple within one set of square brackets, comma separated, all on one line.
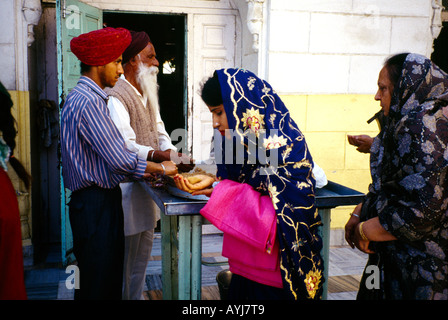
[(323, 58)]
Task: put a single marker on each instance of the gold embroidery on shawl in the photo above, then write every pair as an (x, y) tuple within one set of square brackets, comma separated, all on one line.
[(273, 142), (273, 193), (286, 152), (302, 184), (312, 282), (287, 278), (253, 120), (303, 163)]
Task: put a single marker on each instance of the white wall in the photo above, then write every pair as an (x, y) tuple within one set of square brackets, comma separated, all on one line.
[(7, 44), (15, 17), (338, 46)]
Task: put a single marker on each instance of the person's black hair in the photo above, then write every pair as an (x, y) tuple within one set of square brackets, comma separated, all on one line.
[(394, 66), (7, 122), (84, 67), (9, 132), (211, 91)]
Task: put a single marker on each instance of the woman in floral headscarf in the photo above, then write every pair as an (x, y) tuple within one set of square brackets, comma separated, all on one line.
[(404, 216), (274, 160)]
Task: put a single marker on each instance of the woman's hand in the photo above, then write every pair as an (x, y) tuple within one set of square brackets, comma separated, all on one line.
[(361, 243), (194, 183), (371, 229), (199, 182), (206, 192), (363, 142), (353, 234), (179, 180), (351, 224)]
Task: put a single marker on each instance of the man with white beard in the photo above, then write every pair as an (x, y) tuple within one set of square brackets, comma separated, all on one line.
[(134, 108)]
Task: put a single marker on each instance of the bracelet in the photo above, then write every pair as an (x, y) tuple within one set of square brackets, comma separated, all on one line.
[(361, 232), (354, 214), (152, 154), (163, 167)]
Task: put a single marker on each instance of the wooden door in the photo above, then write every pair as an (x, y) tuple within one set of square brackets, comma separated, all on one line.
[(215, 47)]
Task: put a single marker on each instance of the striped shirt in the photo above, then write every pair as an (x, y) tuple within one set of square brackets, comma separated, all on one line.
[(93, 150)]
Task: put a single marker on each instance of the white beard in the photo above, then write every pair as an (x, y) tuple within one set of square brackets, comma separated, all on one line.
[(147, 80)]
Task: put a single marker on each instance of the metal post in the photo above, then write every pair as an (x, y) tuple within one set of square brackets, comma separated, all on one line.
[(196, 257), (168, 226), (165, 228), (184, 257), (325, 215)]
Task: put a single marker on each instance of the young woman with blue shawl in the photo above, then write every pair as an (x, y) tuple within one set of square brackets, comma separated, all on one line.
[(269, 153)]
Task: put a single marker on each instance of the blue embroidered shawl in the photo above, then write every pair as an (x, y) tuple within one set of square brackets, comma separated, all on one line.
[(270, 154)]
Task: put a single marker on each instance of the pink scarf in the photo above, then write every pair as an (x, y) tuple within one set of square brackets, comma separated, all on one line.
[(249, 223)]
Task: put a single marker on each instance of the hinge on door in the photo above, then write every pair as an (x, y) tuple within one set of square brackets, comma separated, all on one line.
[(64, 9), (62, 100)]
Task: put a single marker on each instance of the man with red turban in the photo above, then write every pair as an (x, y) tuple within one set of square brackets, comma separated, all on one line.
[(95, 160), (134, 108)]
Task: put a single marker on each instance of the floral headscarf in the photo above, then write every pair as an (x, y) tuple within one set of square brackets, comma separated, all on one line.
[(262, 124), (409, 189), (415, 134)]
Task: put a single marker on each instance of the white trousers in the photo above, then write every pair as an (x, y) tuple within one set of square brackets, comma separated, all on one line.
[(137, 252)]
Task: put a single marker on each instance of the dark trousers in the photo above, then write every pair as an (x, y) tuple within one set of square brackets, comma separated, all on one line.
[(242, 288), (96, 218)]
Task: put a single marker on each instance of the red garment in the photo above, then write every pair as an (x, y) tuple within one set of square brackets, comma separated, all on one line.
[(12, 282), (100, 47)]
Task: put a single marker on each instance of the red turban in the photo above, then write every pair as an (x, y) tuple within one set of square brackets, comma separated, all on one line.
[(139, 41), (100, 47)]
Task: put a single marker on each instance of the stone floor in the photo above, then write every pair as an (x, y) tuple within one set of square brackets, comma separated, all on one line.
[(346, 266)]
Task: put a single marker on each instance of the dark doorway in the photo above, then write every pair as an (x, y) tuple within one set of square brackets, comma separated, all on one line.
[(167, 33), (440, 53)]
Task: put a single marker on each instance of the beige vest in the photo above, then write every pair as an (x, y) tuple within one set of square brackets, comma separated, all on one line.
[(143, 120)]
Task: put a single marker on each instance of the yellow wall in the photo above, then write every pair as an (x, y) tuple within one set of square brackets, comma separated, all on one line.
[(325, 121), (21, 112)]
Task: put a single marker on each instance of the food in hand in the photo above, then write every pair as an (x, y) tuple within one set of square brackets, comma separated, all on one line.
[(199, 182), (194, 181)]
